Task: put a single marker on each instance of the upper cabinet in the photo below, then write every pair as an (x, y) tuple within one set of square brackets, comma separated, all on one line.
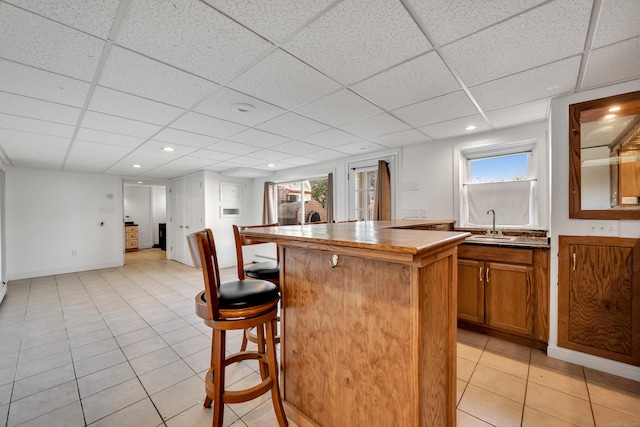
[(604, 153), (599, 296)]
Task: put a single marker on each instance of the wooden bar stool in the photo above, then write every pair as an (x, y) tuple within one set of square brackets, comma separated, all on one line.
[(236, 305), (268, 270)]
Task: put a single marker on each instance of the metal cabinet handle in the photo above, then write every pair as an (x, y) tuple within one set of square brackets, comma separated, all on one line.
[(487, 276), (573, 257), (481, 276)]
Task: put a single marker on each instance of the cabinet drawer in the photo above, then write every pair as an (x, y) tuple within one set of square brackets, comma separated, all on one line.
[(131, 236), (496, 254), (131, 244), (131, 229)]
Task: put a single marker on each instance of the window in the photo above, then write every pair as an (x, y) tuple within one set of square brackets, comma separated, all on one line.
[(501, 178), (365, 193), (301, 202)]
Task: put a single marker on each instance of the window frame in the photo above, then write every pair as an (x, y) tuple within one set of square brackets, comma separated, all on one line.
[(300, 182)]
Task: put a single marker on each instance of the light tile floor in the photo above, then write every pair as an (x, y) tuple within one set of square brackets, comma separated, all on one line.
[(123, 347)]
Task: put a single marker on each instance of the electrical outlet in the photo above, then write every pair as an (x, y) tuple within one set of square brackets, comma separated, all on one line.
[(423, 213), (603, 228)]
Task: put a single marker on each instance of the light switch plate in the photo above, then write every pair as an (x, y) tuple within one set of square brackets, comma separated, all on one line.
[(603, 228)]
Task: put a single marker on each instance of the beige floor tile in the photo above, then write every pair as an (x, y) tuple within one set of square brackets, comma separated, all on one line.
[(199, 361), (38, 352), (171, 325), (606, 417), (136, 336), (465, 420), (143, 347), (469, 351), (4, 410), (5, 393), (166, 376), (490, 407), (67, 416), (535, 418), (264, 416), (561, 381), (181, 334), (179, 397), (560, 405), (43, 364), (153, 360), (241, 409), (104, 379), (613, 380), (539, 357), (99, 362), (464, 369), (460, 387), (500, 383), (40, 382), (615, 398), (140, 414), (91, 337), (192, 345), (199, 416), (509, 348), (505, 363), (474, 338), (111, 400), (94, 349), (41, 403)]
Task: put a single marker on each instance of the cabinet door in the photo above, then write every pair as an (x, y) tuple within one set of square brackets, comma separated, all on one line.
[(471, 290), (598, 297), (508, 297)]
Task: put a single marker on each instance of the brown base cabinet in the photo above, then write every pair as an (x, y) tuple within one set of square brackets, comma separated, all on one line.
[(599, 296), (130, 238), (504, 291)]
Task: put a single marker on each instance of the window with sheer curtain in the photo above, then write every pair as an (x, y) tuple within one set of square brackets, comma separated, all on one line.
[(501, 178)]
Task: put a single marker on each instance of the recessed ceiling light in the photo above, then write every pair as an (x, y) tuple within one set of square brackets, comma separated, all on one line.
[(137, 166), (614, 109), (139, 182), (271, 165), (609, 116), (471, 127), (243, 108), (168, 149)]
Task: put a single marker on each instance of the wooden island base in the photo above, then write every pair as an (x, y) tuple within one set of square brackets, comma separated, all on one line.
[(369, 337)]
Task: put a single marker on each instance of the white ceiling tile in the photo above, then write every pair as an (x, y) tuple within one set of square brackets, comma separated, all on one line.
[(293, 125), (205, 125), (297, 148), (416, 80), (190, 35), (448, 20), (37, 109), (619, 20), (613, 63), (109, 138), (233, 148), (330, 138), (357, 148), (28, 81), (401, 139), (269, 155), (87, 155), (221, 105), (121, 104), (375, 126), (369, 35), (542, 82), (438, 109), (339, 108), (258, 138), (456, 127), (212, 155), (36, 126), (325, 155), (284, 81), (108, 123), (175, 168), (300, 161), (42, 43), (518, 114), (19, 148), (246, 161), (190, 139), (159, 146), (275, 19), (548, 33), (91, 16), (136, 74)]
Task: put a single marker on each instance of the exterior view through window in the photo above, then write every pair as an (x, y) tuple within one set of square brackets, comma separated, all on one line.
[(302, 202), (499, 169), (365, 191)]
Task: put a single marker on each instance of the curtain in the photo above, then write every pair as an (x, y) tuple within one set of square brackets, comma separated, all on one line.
[(270, 204), (510, 200), (382, 203), (330, 198)]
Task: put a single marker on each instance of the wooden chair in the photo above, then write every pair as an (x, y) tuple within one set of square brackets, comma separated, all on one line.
[(236, 305), (268, 270)]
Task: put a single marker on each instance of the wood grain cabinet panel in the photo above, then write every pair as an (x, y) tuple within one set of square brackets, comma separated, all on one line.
[(508, 300), (471, 290), (599, 297)]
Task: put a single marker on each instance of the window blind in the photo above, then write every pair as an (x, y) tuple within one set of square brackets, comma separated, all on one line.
[(509, 199)]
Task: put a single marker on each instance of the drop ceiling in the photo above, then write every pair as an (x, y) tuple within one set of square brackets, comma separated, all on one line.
[(100, 85)]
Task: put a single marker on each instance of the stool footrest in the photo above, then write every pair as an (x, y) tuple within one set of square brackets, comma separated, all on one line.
[(238, 396)]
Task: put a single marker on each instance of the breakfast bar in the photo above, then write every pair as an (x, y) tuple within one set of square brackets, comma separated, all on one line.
[(368, 322)]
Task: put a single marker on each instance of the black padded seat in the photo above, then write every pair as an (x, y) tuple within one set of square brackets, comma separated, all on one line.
[(244, 294), (268, 270)]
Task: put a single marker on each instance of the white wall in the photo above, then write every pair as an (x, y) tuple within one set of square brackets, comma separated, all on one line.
[(562, 225), (50, 214)]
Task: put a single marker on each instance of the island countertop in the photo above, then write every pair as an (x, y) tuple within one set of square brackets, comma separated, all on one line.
[(400, 237)]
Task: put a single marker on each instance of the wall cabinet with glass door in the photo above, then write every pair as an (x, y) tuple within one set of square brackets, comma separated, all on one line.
[(504, 291)]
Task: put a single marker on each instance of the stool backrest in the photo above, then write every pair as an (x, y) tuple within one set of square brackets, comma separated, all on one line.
[(245, 241), (203, 254)]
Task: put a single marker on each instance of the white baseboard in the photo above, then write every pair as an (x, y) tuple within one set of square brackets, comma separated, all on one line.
[(594, 362)]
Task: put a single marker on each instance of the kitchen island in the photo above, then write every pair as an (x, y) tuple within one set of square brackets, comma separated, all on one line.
[(368, 322)]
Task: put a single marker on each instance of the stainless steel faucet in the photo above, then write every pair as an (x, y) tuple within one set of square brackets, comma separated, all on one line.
[(493, 228)]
